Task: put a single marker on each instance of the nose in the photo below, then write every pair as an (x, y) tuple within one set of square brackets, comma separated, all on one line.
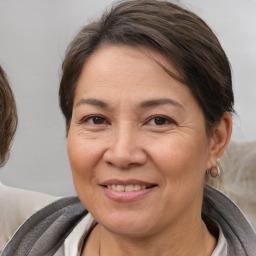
[(125, 150)]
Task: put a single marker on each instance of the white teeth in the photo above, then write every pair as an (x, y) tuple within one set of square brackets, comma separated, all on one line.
[(136, 187), (120, 188), (130, 187)]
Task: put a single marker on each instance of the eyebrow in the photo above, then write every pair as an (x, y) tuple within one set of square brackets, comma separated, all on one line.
[(157, 102), (143, 104), (94, 102)]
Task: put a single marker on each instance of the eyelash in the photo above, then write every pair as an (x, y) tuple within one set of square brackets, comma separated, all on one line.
[(86, 119), (160, 118), (167, 120)]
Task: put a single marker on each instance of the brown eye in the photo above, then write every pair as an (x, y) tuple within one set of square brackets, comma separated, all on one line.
[(98, 120), (159, 120), (95, 120)]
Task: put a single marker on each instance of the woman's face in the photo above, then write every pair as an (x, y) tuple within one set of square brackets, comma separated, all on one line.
[(137, 144)]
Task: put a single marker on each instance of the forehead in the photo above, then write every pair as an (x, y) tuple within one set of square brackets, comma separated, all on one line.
[(133, 72)]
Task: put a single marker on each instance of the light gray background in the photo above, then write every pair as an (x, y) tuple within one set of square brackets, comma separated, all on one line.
[(33, 37)]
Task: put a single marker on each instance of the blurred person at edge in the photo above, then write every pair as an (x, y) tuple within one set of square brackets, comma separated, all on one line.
[(147, 95), (16, 204)]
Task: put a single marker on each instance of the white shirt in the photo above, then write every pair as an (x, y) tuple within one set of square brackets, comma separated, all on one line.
[(74, 242)]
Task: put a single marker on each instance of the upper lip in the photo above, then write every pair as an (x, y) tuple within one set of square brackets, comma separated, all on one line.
[(127, 182)]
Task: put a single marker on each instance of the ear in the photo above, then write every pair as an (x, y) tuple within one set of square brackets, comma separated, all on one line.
[(219, 140)]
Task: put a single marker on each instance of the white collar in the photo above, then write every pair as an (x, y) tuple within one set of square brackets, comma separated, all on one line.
[(74, 242), (221, 247)]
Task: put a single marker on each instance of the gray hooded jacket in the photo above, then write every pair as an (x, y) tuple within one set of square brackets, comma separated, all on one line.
[(45, 231)]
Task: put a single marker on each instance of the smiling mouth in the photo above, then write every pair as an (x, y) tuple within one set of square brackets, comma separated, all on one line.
[(128, 188)]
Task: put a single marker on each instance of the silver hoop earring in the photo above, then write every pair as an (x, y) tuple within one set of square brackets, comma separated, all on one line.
[(214, 172)]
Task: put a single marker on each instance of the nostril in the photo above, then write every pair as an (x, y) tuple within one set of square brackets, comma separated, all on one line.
[(123, 158), (122, 165), (109, 163)]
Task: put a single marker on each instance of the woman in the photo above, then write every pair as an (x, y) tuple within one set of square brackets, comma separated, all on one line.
[(16, 204), (8, 117), (147, 96)]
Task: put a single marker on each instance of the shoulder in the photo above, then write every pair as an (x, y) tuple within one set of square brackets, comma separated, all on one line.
[(239, 179), (46, 230), (21, 204), (240, 235)]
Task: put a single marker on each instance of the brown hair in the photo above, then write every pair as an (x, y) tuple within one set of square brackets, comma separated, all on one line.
[(178, 34), (8, 117)]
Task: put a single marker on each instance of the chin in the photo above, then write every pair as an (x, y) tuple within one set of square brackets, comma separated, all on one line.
[(131, 225)]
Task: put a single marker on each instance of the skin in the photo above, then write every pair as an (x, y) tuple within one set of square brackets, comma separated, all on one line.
[(141, 124)]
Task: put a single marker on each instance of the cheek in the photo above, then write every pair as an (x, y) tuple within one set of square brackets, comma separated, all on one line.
[(83, 156), (82, 152), (180, 159), (181, 163)]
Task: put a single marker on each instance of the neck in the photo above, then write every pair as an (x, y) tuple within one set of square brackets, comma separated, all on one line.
[(194, 241)]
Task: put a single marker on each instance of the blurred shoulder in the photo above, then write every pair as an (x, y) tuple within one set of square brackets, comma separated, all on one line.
[(16, 206), (239, 176)]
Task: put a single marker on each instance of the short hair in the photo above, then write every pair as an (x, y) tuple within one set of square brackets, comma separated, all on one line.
[(179, 35), (8, 117)]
